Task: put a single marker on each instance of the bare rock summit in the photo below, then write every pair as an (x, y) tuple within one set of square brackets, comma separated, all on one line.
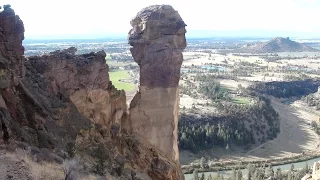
[(157, 38)]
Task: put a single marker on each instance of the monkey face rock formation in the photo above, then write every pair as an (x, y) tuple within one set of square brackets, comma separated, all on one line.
[(62, 102), (157, 38)]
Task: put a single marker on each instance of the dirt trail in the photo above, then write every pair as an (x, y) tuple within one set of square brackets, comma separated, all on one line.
[(296, 135)]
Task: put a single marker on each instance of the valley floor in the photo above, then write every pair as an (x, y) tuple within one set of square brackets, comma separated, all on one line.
[(296, 137)]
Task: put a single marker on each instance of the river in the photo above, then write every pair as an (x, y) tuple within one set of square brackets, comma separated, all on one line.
[(227, 173)]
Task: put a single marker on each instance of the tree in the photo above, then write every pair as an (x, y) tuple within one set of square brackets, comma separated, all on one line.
[(71, 149), (239, 174), (100, 153), (306, 168), (292, 167), (234, 174), (203, 162), (270, 172), (227, 147), (221, 178), (218, 175), (250, 171), (258, 174), (195, 175), (202, 176), (290, 175), (278, 174), (209, 177)]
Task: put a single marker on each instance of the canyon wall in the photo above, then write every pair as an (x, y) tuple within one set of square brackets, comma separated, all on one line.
[(51, 102), (157, 38)]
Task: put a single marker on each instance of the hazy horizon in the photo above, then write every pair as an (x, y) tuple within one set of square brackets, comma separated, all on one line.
[(100, 19)]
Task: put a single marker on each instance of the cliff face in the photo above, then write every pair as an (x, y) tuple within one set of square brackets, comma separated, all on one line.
[(85, 80), (11, 36), (157, 38), (61, 99)]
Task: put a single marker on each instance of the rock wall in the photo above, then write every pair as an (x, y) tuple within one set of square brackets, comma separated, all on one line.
[(11, 37), (85, 80), (157, 38)]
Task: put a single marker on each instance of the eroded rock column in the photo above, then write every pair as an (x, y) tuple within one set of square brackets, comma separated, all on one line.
[(157, 38)]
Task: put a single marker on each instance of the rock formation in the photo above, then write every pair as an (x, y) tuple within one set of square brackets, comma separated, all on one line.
[(85, 80), (157, 38), (12, 35), (61, 100)]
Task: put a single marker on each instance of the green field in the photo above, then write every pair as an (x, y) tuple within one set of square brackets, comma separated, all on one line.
[(115, 76), (113, 63), (240, 100)]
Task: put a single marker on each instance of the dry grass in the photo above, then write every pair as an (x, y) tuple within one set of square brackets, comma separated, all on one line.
[(69, 170), (18, 163), (43, 170)]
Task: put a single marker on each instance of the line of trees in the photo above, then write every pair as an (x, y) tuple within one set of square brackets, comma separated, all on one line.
[(198, 137), (287, 89), (259, 173)]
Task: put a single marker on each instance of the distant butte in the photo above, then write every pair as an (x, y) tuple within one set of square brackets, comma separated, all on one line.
[(275, 45)]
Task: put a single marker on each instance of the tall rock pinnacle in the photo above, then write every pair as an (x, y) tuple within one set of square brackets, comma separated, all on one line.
[(11, 36), (157, 38)]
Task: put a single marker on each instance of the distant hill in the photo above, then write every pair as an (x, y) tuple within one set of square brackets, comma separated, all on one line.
[(277, 44)]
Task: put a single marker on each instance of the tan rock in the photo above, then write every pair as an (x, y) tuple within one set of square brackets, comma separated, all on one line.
[(157, 38), (85, 80)]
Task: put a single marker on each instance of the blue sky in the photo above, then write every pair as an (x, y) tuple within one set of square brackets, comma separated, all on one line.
[(99, 18)]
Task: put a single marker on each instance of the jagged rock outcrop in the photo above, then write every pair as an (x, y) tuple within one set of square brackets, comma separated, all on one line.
[(85, 80), (157, 38), (62, 101), (12, 35)]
